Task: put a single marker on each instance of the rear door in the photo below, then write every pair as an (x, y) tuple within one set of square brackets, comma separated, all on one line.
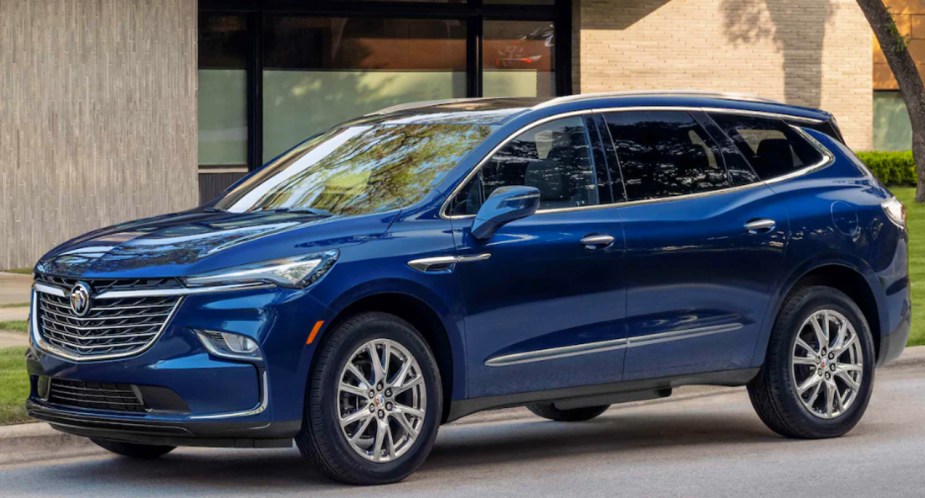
[(703, 246)]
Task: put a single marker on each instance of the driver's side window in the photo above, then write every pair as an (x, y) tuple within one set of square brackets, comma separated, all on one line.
[(554, 157)]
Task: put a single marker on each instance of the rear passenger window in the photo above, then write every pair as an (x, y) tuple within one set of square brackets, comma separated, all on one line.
[(664, 154), (772, 147), (554, 157)]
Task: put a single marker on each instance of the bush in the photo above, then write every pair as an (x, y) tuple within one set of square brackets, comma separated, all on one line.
[(892, 168)]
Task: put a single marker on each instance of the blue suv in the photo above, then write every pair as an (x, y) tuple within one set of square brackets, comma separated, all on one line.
[(429, 261)]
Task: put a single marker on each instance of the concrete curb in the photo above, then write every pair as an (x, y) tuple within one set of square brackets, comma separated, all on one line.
[(32, 442)]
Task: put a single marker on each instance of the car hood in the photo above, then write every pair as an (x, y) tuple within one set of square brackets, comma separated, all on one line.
[(200, 241)]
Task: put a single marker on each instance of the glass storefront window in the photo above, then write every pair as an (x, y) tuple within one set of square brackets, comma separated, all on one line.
[(518, 59), (322, 71), (222, 91)]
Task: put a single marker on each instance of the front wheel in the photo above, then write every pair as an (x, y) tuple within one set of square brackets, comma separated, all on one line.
[(819, 371), (374, 402), (132, 450)]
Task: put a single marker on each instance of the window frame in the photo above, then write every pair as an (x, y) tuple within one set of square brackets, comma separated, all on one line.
[(827, 157)]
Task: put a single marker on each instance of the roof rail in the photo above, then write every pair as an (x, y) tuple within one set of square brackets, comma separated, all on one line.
[(666, 93), (419, 104)]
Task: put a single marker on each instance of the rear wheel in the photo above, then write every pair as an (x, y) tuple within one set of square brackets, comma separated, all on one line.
[(549, 410), (374, 402), (819, 371), (132, 450)]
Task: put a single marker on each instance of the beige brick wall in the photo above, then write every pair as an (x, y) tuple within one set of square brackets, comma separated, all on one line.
[(97, 117), (806, 52)]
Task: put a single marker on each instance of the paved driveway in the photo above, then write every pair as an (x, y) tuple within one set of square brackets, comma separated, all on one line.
[(706, 446)]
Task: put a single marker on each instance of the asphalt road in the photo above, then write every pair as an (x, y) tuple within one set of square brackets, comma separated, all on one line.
[(706, 446)]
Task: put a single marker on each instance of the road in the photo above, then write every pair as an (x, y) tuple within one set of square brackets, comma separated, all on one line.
[(704, 446)]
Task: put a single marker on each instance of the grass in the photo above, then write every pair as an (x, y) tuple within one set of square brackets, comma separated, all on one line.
[(21, 271), (14, 386), (15, 305), (15, 325), (915, 220)]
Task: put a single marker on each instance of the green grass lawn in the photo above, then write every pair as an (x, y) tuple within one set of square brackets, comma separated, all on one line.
[(21, 271), (915, 220), (15, 305), (14, 386), (15, 326)]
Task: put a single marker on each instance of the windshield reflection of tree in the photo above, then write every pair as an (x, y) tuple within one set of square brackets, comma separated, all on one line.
[(385, 167)]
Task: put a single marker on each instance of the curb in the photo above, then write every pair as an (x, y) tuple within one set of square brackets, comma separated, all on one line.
[(24, 443)]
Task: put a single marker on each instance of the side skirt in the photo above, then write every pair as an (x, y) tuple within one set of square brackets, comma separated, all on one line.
[(601, 394)]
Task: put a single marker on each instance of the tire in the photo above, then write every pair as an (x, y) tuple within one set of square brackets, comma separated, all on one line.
[(774, 391), (548, 410), (132, 450), (325, 443)]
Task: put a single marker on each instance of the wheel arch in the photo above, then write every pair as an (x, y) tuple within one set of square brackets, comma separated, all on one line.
[(429, 315), (837, 274)]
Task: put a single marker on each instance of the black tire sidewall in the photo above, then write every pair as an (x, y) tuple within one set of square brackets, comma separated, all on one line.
[(803, 305), (322, 404)]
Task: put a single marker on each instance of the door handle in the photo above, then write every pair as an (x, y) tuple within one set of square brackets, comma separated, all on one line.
[(761, 225), (596, 240)]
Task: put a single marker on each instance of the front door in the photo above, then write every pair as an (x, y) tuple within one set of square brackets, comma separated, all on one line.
[(544, 296), (702, 253)]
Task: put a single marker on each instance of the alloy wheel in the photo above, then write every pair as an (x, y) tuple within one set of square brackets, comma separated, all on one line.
[(827, 364), (381, 400)]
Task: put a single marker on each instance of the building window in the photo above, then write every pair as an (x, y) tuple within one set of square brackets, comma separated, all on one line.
[(222, 102), (322, 71), (274, 72), (892, 128), (518, 59)]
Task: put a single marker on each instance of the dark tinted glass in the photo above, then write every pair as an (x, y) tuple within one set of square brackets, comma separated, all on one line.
[(772, 147), (553, 157), (222, 41), (664, 154)]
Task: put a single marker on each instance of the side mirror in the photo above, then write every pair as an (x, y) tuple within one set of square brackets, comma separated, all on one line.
[(504, 205)]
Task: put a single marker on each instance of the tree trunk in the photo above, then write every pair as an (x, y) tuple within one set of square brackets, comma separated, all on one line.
[(907, 75)]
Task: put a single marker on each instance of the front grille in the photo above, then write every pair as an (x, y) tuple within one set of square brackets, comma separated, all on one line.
[(105, 285), (94, 396), (111, 327)]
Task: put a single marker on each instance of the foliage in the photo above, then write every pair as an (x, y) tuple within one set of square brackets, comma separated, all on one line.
[(915, 220), (14, 386), (892, 168)]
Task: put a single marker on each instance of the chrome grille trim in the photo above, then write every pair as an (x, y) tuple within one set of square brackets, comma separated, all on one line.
[(121, 328)]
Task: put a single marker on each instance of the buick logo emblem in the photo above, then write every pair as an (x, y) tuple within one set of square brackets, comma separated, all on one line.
[(80, 299)]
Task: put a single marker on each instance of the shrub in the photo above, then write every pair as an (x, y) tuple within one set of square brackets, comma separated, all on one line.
[(892, 168)]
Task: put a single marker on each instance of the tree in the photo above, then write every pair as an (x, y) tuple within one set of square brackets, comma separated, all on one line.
[(907, 76)]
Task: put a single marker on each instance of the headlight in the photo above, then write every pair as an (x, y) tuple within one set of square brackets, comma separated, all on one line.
[(895, 211), (296, 273)]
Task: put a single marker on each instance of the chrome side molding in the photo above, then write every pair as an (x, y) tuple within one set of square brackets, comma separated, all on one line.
[(609, 345), (445, 263)]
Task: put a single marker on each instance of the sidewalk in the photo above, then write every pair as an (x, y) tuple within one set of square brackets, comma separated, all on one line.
[(38, 441)]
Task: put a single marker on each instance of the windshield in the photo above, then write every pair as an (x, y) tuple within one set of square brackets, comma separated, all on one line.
[(357, 169)]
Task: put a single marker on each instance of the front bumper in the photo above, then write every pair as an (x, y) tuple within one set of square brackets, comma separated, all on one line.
[(191, 397)]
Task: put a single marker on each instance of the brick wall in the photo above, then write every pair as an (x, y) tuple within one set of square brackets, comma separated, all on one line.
[(805, 52)]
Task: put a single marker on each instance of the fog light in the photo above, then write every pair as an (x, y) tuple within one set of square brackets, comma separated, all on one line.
[(228, 345)]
